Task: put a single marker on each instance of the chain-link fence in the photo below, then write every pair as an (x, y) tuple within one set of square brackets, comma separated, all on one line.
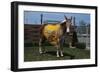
[(83, 35)]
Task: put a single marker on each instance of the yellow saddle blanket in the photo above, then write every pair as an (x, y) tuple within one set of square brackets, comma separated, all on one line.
[(52, 32)]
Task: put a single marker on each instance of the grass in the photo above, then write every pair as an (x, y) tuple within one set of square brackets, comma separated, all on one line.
[(32, 54)]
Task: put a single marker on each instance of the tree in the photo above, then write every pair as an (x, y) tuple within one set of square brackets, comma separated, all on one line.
[(82, 26), (88, 28)]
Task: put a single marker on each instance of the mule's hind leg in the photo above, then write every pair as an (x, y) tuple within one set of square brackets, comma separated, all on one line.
[(40, 46), (57, 53)]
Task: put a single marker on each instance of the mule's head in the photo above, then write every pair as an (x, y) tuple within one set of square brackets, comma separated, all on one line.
[(68, 23)]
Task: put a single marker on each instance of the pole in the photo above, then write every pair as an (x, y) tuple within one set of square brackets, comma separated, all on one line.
[(41, 18)]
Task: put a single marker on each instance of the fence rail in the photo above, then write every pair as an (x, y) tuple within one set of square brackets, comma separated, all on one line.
[(31, 33)]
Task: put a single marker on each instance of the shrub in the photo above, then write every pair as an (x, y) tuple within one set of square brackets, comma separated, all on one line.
[(28, 44), (46, 44), (66, 44), (35, 44), (81, 45), (31, 44)]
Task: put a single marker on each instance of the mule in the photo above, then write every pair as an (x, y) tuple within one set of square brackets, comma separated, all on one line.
[(55, 34)]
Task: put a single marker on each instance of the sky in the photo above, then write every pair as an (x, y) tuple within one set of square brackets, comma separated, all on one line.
[(34, 17)]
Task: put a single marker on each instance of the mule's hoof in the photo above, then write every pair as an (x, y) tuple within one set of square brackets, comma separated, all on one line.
[(58, 56), (44, 52), (41, 52), (71, 47), (62, 55)]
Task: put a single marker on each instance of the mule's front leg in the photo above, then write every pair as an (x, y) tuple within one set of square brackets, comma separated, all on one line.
[(58, 53), (40, 47), (61, 52), (61, 49)]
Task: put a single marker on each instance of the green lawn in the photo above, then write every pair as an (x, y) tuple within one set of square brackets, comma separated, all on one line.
[(32, 54)]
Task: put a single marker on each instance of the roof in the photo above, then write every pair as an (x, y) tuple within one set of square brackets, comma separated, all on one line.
[(51, 21)]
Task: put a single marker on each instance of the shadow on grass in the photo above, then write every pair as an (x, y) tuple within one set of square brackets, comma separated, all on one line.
[(53, 53)]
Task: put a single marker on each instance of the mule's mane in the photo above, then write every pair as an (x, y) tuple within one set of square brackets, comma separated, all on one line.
[(63, 23)]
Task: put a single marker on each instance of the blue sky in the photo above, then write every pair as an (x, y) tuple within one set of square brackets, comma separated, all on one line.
[(31, 17)]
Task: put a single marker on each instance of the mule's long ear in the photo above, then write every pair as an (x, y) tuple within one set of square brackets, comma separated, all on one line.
[(65, 17)]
